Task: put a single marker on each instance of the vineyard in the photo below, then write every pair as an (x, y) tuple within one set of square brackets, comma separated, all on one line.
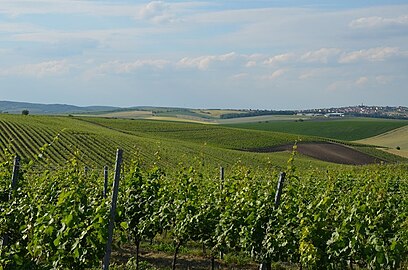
[(326, 219), (55, 215), (165, 143), (214, 135)]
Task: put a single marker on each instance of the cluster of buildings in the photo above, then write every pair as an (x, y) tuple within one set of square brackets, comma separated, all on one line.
[(399, 112)]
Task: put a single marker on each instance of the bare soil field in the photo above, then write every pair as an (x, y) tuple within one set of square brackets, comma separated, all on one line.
[(329, 152)]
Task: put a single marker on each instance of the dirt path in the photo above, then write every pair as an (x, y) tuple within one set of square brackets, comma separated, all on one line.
[(163, 260), (329, 152)]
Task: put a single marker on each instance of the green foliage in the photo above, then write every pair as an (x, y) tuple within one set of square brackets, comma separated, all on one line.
[(214, 135), (327, 219), (97, 140), (54, 220), (348, 130)]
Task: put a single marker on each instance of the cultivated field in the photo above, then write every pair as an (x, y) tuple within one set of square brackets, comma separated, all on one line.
[(391, 139), (342, 129), (173, 199), (95, 140)]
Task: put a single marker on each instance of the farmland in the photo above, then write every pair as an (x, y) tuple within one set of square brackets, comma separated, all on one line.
[(171, 195), (325, 219), (201, 134), (94, 141), (348, 129), (391, 139)]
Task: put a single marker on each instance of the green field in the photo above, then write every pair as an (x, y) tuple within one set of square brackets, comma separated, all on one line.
[(330, 216), (95, 140), (341, 129), (215, 135)]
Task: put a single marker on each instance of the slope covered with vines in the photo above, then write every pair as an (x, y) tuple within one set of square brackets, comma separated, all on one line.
[(326, 219)]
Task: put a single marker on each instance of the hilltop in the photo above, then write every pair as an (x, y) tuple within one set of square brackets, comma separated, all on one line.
[(214, 115), (38, 108)]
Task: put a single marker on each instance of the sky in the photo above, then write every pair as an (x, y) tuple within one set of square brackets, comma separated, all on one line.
[(259, 54)]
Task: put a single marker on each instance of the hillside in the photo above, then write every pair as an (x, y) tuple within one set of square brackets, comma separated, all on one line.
[(396, 138), (150, 141), (95, 140), (37, 108), (348, 129), (214, 135)]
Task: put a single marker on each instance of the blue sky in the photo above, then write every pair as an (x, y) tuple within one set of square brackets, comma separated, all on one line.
[(205, 54)]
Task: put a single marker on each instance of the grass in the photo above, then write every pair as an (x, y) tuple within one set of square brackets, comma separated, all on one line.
[(382, 154), (196, 115), (214, 135), (262, 118), (216, 113), (126, 114), (344, 129), (392, 139)]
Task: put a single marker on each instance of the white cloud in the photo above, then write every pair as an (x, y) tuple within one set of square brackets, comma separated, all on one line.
[(204, 62), (307, 74), (361, 81), (373, 54), (251, 64), (239, 76), (17, 28), (322, 55), (48, 68), (338, 85), (280, 58), (382, 79), (16, 8), (128, 67), (100, 35), (276, 74), (376, 21), (158, 12)]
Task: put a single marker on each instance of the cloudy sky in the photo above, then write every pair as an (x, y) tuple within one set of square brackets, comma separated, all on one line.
[(267, 54)]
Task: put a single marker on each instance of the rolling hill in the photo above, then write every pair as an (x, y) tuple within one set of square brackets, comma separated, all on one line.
[(37, 108), (396, 138), (348, 129), (56, 139), (93, 141)]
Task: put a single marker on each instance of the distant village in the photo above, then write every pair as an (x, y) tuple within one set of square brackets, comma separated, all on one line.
[(399, 112)]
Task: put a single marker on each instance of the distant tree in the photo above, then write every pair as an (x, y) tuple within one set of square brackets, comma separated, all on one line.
[(398, 148), (25, 112)]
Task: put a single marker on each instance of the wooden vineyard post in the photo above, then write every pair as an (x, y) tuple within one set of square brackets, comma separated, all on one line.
[(279, 188), (221, 178), (105, 181), (278, 194), (106, 259), (221, 188), (14, 179)]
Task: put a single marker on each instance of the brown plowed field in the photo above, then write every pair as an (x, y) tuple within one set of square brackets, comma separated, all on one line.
[(330, 152)]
